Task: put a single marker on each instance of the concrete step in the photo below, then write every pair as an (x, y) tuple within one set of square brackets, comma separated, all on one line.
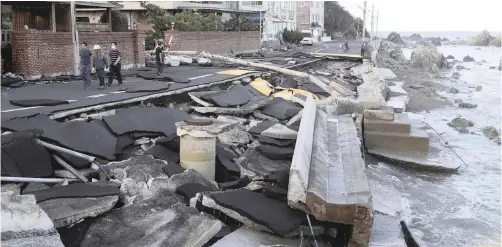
[(400, 124), (416, 140)]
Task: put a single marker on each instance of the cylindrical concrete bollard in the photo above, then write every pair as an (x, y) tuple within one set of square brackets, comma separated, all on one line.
[(198, 153)]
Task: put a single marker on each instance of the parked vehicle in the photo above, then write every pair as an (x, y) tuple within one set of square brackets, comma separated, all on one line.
[(307, 38)]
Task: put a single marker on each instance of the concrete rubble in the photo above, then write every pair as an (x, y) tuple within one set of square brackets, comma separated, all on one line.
[(288, 165)]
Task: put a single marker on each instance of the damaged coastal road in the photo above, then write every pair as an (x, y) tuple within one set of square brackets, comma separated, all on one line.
[(252, 163)]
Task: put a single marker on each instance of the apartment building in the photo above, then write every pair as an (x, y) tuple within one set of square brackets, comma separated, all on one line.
[(310, 16), (280, 15)]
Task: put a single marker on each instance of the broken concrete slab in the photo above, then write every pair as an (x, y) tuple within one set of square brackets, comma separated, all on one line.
[(398, 103), (189, 176), (68, 211), (280, 131), (158, 221), (25, 224), (387, 232), (246, 237), (397, 89), (382, 114), (235, 136), (275, 142), (385, 74), (140, 177), (77, 190), (252, 105), (276, 153), (10, 190), (252, 164), (197, 97), (316, 184)]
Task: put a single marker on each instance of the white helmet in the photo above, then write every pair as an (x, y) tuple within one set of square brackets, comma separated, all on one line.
[(96, 47)]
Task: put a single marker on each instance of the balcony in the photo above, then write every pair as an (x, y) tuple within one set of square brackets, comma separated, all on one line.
[(92, 27)]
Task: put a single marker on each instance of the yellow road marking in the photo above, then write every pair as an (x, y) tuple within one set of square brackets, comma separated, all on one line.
[(234, 72)]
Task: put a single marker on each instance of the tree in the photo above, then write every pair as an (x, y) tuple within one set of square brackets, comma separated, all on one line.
[(240, 23), (162, 20), (339, 20), (119, 21), (6, 17)]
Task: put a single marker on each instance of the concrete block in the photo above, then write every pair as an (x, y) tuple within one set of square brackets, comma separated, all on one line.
[(300, 166), (398, 103), (387, 232), (400, 124), (397, 89), (416, 140), (25, 224), (384, 115), (385, 74)]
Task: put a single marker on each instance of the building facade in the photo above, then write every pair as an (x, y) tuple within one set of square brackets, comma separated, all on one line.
[(280, 15), (310, 16)]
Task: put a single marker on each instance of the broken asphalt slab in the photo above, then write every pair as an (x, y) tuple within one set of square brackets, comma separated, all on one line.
[(158, 221), (146, 119), (77, 190), (281, 108), (89, 138), (246, 237), (252, 163), (249, 107), (236, 96), (38, 102), (279, 131)]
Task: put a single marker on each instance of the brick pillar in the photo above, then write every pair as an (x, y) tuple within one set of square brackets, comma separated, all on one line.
[(139, 48), (25, 58)]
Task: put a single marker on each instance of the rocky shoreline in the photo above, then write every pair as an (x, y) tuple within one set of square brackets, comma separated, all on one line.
[(421, 73)]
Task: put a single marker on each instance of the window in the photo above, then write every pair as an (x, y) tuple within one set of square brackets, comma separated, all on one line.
[(82, 19), (312, 19)]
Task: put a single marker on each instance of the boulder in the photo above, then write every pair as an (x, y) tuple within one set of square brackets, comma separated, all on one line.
[(458, 101), (461, 124), (479, 88), (450, 57), (467, 105), (497, 41), (436, 41), (455, 75), (490, 132), (429, 59), (453, 90), (468, 59), (395, 38), (416, 37), (482, 39)]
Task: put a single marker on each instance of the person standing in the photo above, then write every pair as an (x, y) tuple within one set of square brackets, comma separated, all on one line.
[(159, 58), (115, 65), (100, 63), (85, 64)]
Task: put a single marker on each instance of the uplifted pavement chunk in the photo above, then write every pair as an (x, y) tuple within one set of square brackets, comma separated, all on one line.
[(89, 138), (236, 96), (281, 108), (25, 224), (249, 107), (328, 179), (147, 119), (158, 221), (252, 163)]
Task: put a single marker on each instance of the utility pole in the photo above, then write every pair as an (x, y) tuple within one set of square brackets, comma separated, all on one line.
[(364, 21), (376, 29), (372, 25), (74, 35)]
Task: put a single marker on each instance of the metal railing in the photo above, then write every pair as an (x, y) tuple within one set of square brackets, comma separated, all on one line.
[(91, 27)]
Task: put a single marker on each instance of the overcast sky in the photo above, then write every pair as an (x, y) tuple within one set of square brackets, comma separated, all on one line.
[(432, 15)]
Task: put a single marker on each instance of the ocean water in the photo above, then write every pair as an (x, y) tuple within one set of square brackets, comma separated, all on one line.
[(449, 35), (460, 209)]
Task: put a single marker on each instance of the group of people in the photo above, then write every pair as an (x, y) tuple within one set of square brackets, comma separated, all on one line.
[(99, 61)]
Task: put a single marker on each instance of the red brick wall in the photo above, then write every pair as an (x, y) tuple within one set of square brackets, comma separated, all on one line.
[(36, 53), (214, 42)]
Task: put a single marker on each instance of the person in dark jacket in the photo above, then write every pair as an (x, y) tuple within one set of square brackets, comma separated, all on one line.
[(363, 49), (85, 64), (159, 58), (115, 65), (100, 63)]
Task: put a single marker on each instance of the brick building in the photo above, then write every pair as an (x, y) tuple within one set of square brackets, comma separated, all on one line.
[(42, 38)]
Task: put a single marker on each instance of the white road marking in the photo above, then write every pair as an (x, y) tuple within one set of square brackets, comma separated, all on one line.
[(96, 96), (22, 109), (116, 92), (198, 77)]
